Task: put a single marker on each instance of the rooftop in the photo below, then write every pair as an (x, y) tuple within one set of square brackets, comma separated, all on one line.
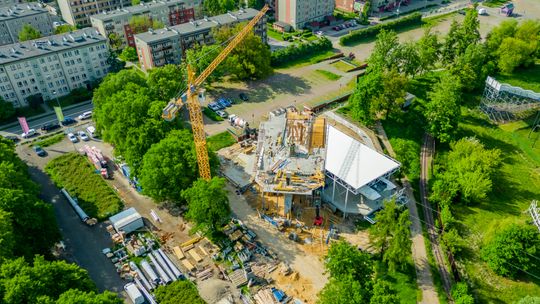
[(353, 162), (20, 10), (126, 214), (198, 25), (290, 153), (42, 46), (135, 9)]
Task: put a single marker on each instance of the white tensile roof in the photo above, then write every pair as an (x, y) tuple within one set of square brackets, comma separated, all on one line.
[(353, 162)]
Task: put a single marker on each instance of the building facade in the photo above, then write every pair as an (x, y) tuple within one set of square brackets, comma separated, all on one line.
[(52, 66), (168, 12), (300, 13), (14, 17), (78, 12), (345, 5), (168, 46)]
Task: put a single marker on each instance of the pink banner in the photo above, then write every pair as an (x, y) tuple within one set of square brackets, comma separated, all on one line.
[(24, 124)]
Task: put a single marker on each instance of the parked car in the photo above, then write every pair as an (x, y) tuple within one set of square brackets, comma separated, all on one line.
[(214, 106), (243, 96), (39, 151), (50, 127), (83, 136), (85, 115), (336, 28), (13, 138), (224, 103), (319, 33), (28, 134), (222, 114), (68, 121), (72, 138)]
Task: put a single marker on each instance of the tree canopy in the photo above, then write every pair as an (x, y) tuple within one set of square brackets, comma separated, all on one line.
[(344, 290), (73, 296), (64, 28), (167, 81), (129, 54), (383, 293), (208, 204), (141, 23), (216, 7), (29, 32), (443, 110), (6, 109), (513, 250), (181, 291), (343, 260)]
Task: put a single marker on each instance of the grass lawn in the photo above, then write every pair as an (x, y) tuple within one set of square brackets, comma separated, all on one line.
[(73, 172), (308, 60), (515, 185), (528, 79), (328, 75), (211, 114), (220, 141), (274, 35), (334, 94), (343, 66), (404, 282), (49, 141)]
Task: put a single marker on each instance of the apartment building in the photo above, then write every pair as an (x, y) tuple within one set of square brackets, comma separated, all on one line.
[(78, 12), (14, 17), (168, 46), (168, 12), (52, 66), (302, 13), (346, 5), (8, 2)]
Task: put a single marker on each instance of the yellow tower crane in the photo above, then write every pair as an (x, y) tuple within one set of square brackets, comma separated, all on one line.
[(191, 99)]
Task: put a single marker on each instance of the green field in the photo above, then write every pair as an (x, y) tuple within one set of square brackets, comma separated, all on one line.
[(73, 172), (307, 60), (328, 75), (343, 66), (528, 79), (220, 141), (274, 35)]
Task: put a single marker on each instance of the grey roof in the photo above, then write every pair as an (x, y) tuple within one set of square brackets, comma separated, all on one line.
[(122, 215), (201, 25), (135, 9), (42, 46), (20, 10)]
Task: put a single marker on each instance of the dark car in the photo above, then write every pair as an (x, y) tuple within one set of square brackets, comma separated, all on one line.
[(39, 151), (68, 121), (50, 127), (13, 138), (243, 96)]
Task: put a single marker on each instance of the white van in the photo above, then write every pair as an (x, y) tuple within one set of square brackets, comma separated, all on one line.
[(91, 130), (85, 115)]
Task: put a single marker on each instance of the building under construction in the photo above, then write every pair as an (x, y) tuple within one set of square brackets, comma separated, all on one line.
[(302, 162)]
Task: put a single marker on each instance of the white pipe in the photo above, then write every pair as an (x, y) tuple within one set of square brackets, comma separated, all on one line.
[(149, 271), (162, 274), (141, 276), (164, 265), (171, 265), (145, 292)]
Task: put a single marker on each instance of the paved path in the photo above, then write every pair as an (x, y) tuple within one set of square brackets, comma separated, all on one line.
[(419, 253), (426, 155)]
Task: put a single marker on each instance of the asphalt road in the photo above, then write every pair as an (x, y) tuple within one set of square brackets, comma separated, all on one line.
[(50, 118), (83, 243)]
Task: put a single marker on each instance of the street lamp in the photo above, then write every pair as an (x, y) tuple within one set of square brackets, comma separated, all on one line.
[(55, 95)]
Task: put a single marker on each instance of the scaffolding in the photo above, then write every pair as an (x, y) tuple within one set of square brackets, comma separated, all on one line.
[(535, 214), (503, 102)]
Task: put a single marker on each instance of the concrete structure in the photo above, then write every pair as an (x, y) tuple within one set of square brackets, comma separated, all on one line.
[(78, 12), (345, 5), (301, 13), (127, 221), (168, 46), (168, 12), (14, 17), (52, 66), (357, 177)]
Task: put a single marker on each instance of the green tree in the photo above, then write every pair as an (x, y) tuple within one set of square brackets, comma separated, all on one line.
[(7, 237), (256, 4), (141, 23), (511, 248), (407, 154), (515, 52), (472, 67), (115, 65), (367, 89), (213, 7), (460, 293), (115, 41), (399, 248), (385, 54), (381, 233), (135, 2), (6, 109), (450, 45), (178, 292), (169, 167), (392, 94), (200, 57), (343, 290), (73, 296), (453, 241), (208, 204), (494, 39), (470, 30), (428, 51), (345, 260), (250, 59), (129, 54), (22, 283), (529, 300), (383, 293), (442, 111), (64, 28), (29, 32), (409, 61), (167, 81)]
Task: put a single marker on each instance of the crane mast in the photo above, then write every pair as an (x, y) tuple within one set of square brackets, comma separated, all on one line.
[(191, 99)]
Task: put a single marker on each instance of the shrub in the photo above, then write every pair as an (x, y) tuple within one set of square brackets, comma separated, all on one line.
[(294, 52), (372, 31)]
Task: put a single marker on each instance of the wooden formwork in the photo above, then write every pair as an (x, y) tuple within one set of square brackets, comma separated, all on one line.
[(317, 133)]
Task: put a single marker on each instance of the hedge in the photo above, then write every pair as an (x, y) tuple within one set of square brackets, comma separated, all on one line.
[(361, 34), (293, 52)]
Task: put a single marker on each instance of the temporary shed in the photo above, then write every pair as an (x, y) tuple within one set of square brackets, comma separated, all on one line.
[(127, 221)]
